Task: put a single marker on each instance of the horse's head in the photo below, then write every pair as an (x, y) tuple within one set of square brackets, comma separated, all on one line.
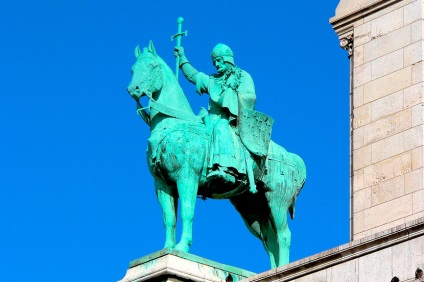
[(146, 73)]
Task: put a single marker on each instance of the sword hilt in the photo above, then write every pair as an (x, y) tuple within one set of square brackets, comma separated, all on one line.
[(184, 33)]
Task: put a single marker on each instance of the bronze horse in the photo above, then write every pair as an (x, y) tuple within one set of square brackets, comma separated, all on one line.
[(176, 157)]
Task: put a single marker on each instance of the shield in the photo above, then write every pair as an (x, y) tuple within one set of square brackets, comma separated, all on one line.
[(255, 131)]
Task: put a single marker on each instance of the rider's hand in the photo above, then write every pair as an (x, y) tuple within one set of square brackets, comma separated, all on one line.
[(179, 52)]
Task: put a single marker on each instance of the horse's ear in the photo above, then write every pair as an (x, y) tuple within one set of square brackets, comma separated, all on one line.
[(137, 51), (152, 48)]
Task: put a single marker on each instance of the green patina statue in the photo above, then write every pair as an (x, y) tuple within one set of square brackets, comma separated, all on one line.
[(231, 90), (223, 153)]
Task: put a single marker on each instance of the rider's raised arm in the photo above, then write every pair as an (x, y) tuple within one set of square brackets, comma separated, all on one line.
[(194, 76), (188, 70), (199, 78)]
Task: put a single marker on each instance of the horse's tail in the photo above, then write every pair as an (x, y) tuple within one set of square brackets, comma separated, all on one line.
[(300, 181)]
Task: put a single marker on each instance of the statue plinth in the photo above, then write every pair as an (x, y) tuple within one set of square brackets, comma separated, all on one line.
[(175, 266)]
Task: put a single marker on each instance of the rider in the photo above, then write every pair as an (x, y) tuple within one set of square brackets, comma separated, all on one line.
[(230, 90)]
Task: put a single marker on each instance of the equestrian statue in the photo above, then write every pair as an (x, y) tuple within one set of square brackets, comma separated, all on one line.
[(224, 152)]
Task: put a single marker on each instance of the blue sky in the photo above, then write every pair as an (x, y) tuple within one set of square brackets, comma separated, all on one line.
[(77, 202)]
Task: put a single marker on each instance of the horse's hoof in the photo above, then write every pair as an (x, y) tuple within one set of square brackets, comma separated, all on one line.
[(170, 246), (182, 248)]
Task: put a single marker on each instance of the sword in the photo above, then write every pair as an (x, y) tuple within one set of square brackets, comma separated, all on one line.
[(178, 37)]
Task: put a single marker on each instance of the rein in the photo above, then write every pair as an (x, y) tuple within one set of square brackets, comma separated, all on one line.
[(164, 109), (141, 111)]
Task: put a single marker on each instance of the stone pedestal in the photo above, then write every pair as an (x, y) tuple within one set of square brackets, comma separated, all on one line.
[(174, 266)]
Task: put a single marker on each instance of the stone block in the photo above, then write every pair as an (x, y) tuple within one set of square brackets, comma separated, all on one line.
[(415, 216), (387, 23), (387, 212), (388, 147), (347, 271), (388, 226), (358, 138), (414, 181), (417, 73), (417, 31), (414, 137), (362, 34), (380, 46), (387, 190), (362, 199), (417, 158), (376, 266), (316, 276), (358, 96), (412, 12), (387, 105), (387, 169), (361, 157), (361, 116), (407, 257), (388, 126), (358, 56), (387, 85), (360, 235), (413, 95), (359, 223), (362, 74), (393, 61), (418, 201), (413, 53), (418, 115), (358, 179)]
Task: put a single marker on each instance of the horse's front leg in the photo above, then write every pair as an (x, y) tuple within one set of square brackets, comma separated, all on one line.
[(187, 187), (168, 200)]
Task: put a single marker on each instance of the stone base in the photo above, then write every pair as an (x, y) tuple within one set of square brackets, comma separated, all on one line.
[(174, 266), (398, 251)]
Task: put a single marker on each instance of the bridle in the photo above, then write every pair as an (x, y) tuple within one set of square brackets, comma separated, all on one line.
[(158, 106)]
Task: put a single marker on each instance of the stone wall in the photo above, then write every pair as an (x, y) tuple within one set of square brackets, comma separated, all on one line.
[(386, 40), (398, 251)]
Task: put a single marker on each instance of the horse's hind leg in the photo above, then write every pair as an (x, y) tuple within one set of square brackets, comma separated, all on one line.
[(255, 214), (187, 190), (284, 241), (168, 201), (278, 244), (280, 236)]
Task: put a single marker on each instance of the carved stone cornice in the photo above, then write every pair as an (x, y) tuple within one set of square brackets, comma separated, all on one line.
[(344, 21), (346, 42)]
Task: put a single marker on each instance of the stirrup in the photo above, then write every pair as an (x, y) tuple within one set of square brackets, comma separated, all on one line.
[(222, 176)]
